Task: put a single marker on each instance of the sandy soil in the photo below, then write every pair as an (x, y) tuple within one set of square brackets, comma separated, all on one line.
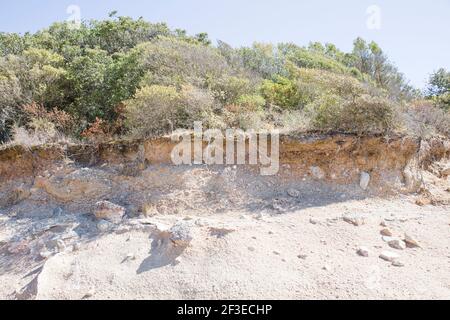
[(304, 253)]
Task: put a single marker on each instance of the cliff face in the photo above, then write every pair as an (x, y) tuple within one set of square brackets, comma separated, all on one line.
[(137, 174), (340, 158), (124, 208)]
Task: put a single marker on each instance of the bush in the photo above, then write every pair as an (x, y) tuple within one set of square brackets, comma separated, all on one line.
[(422, 118), (156, 110), (251, 103), (281, 92), (362, 115)]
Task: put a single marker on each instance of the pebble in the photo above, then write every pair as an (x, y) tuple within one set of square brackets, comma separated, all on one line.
[(397, 244), (411, 242), (103, 225), (386, 232), (293, 193), (364, 180), (389, 256), (363, 251), (397, 263), (356, 221)]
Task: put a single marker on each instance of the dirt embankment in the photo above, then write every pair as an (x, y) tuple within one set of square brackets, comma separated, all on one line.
[(338, 158), (120, 220)]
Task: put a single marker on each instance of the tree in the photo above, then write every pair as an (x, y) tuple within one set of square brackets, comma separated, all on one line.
[(439, 88)]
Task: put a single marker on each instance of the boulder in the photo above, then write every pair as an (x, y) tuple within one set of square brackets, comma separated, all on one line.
[(109, 211), (180, 233)]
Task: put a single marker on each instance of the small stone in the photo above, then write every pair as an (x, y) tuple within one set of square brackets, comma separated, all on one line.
[(445, 172), (313, 221), (130, 256), (423, 201), (397, 263), (251, 249), (363, 251), (45, 254), (60, 244), (389, 256), (317, 172), (76, 246), (293, 193), (383, 223), (109, 211), (181, 233), (411, 242), (356, 221), (103, 225), (397, 244), (57, 212), (89, 294), (302, 256), (386, 232), (326, 267), (364, 180), (387, 239)]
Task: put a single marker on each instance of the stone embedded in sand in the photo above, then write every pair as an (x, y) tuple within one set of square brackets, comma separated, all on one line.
[(180, 233), (363, 251), (317, 172), (411, 242), (389, 256), (103, 225), (445, 172), (354, 220), (45, 254), (364, 180), (397, 263), (422, 201), (386, 232), (109, 211), (293, 193), (397, 243)]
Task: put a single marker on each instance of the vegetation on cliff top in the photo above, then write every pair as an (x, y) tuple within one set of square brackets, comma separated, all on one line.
[(123, 76)]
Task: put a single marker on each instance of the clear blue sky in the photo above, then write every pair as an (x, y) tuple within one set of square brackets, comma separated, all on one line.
[(415, 34)]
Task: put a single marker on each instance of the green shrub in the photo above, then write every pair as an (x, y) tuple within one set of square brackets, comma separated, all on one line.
[(282, 92), (251, 102), (364, 114), (156, 110)]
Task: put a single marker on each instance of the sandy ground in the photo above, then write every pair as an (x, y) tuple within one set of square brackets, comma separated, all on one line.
[(305, 253)]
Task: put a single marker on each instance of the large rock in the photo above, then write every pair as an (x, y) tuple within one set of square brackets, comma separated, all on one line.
[(180, 233), (109, 211)]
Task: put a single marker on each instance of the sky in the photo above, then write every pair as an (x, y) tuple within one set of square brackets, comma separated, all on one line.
[(415, 34)]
